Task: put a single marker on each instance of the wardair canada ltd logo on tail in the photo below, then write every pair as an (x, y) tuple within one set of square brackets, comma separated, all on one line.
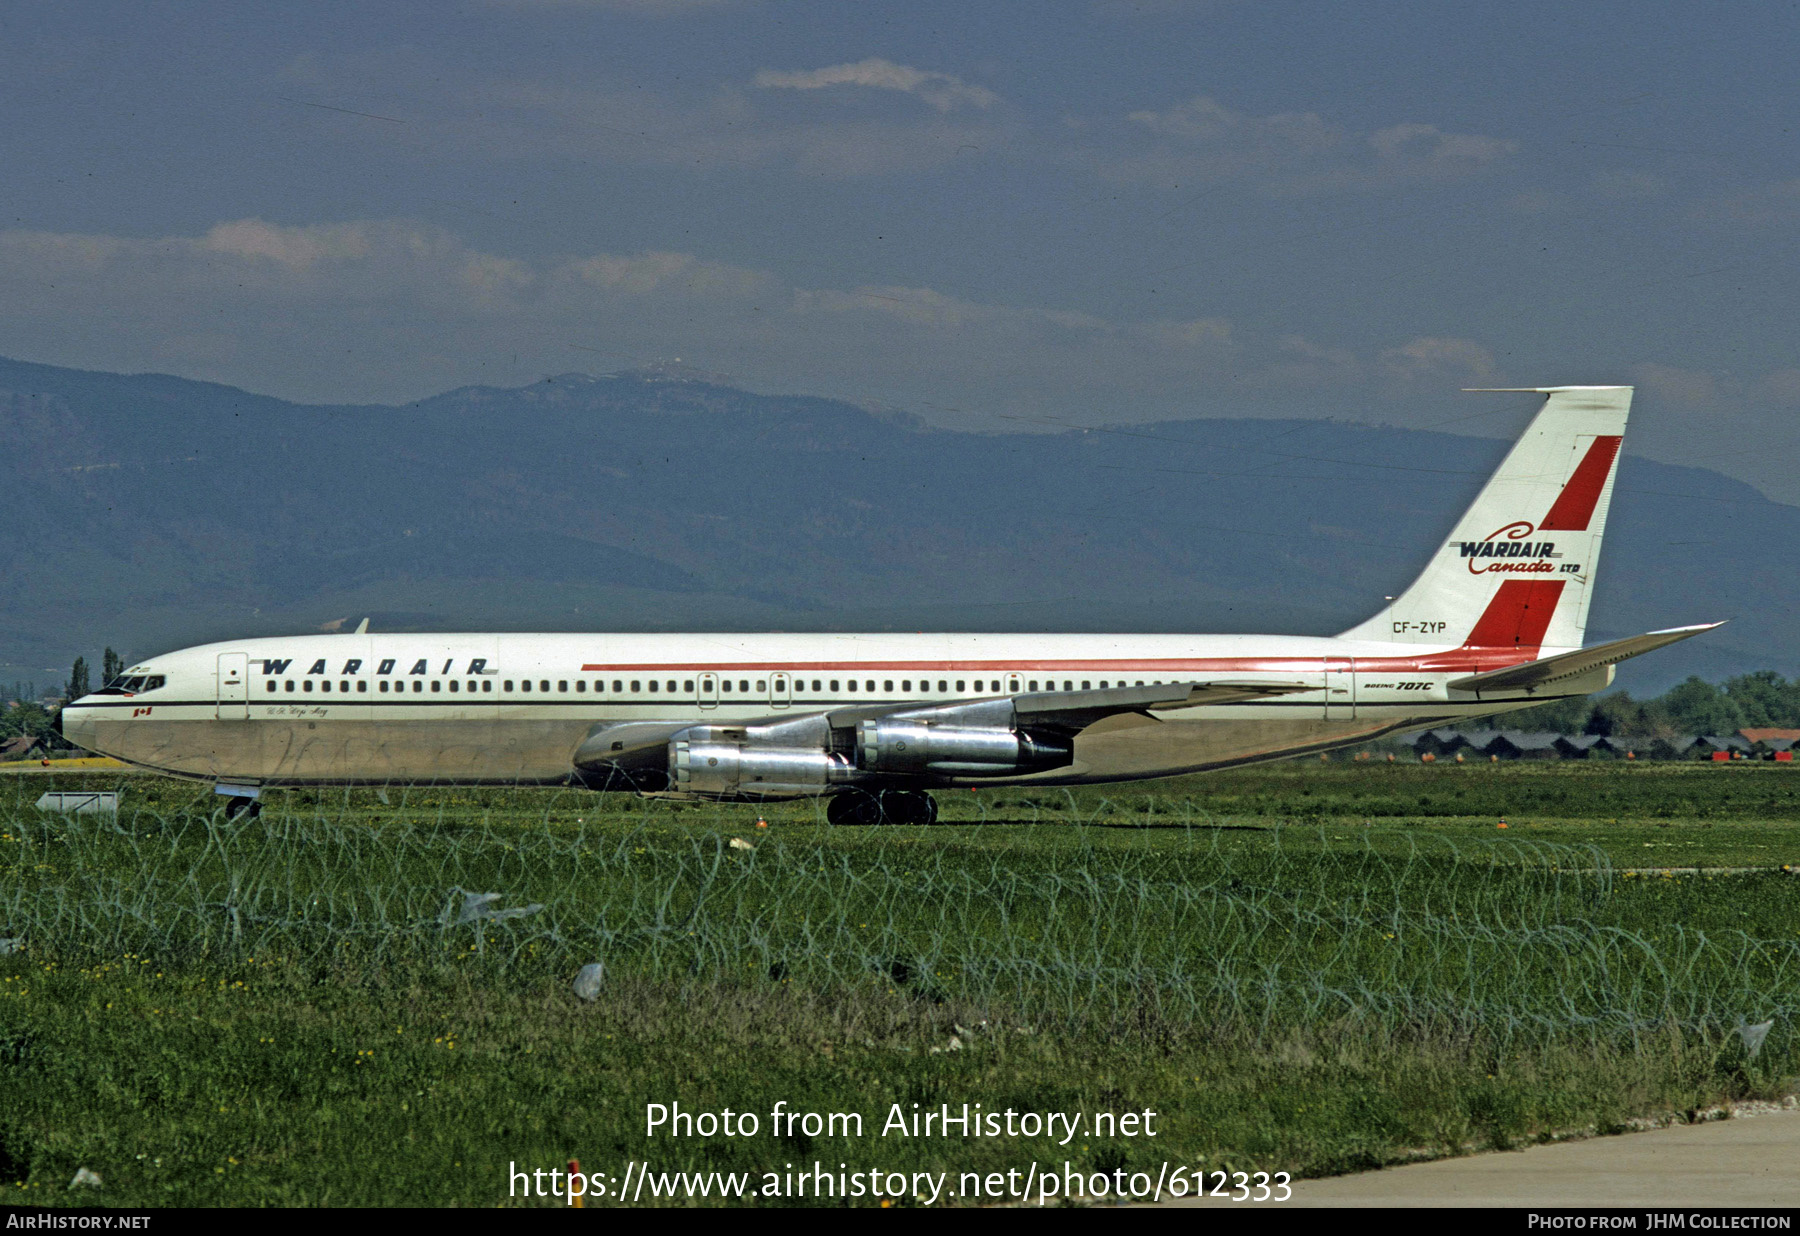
[(1508, 550)]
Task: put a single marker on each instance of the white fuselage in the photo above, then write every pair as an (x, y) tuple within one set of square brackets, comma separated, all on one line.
[(512, 709)]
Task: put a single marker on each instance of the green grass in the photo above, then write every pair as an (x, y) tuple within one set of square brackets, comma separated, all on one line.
[(1307, 967)]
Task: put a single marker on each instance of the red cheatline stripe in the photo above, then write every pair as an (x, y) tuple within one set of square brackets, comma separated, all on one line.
[(1575, 504), (1464, 659), (1518, 615)]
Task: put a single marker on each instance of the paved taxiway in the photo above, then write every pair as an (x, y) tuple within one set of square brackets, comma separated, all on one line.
[(1748, 1161)]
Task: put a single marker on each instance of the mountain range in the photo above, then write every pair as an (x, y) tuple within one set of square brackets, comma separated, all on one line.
[(147, 512)]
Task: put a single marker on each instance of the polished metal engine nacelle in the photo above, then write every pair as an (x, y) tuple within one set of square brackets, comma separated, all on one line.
[(900, 745), (714, 768)]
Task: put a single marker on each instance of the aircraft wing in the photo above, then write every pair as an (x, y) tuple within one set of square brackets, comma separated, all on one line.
[(1077, 709), (638, 742), (1073, 710), (1534, 674)]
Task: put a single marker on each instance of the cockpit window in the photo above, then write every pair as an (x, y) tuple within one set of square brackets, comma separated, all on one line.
[(135, 684)]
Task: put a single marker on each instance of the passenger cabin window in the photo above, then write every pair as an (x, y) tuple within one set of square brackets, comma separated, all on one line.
[(562, 688), (906, 684), (271, 684), (688, 685), (453, 685), (362, 686), (853, 684), (619, 687), (725, 684), (634, 686), (325, 686), (580, 685), (436, 686), (1032, 685), (487, 686), (525, 685), (308, 685), (653, 686), (418, 687), (959, 684), (543, 684), (290, 684)]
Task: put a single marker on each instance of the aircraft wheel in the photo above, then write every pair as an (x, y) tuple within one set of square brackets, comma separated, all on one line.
[(860, 808), (853, 808), (242, 808), (909, 807)]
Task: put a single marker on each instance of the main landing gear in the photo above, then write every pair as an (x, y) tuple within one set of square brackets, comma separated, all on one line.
[(863, 807)]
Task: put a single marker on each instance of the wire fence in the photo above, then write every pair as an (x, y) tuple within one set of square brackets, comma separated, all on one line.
[(1266, 930)]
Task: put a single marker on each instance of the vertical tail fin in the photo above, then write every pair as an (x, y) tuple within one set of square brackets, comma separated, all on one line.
[(1518, 570)]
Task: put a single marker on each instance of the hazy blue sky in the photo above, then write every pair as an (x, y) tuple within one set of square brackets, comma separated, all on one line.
[(1081, 212)]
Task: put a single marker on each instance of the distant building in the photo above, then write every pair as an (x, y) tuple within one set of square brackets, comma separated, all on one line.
[(1769, 740), (24, 747)]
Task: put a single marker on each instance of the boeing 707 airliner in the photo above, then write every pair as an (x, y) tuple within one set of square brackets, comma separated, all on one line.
[(875, 722)]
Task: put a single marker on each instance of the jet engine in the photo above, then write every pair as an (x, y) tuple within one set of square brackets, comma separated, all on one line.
[(898, 745), (712, 768)]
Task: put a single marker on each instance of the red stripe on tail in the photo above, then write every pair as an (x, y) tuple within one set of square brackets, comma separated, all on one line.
[(1518, 615), (1574, 506)]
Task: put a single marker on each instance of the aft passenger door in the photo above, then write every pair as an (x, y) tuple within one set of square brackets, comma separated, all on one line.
[(1340, 690), (234, 686), (707, 691), (779, 691)]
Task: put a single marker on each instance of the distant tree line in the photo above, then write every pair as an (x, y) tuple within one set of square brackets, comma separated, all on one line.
[(23, 712), (1696, 706)]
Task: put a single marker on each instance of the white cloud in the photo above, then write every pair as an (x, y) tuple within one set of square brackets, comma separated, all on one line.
[(1783, 386), (395, 309), (1691, 390), (940, 90), (1427, 145), (731, 126), (296, 248), (391, 310), (632, 8), (1298, 152), (1770, 205), (1439, 360)]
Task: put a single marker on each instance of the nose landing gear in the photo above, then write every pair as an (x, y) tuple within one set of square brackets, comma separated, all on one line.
[(864, 807), (242, 808), (241, 802)]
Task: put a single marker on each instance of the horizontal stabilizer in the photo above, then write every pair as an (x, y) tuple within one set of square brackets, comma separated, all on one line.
[(1534, 674)]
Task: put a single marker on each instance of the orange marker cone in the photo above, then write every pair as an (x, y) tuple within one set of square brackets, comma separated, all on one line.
[(761, 823)]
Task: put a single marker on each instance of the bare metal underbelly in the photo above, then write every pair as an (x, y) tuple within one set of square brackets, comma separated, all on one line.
[(279, 751)]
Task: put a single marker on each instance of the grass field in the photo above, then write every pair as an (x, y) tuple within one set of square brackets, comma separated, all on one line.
[(1308, 967)]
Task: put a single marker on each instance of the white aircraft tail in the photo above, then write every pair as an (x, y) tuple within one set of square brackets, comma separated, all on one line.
[(1518, 570)]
